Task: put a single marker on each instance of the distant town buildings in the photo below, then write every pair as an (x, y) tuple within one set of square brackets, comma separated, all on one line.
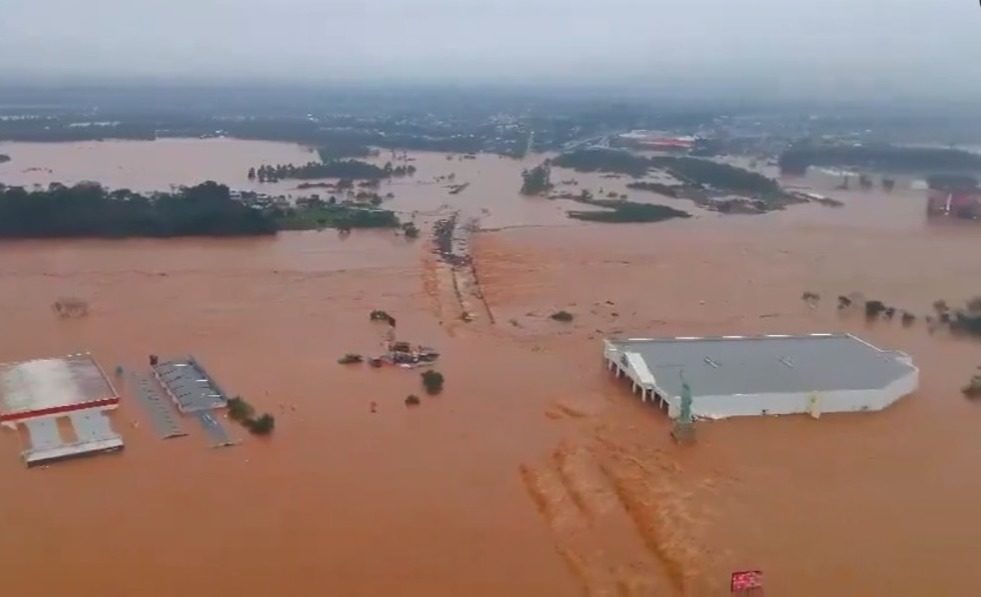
[(655, 141)]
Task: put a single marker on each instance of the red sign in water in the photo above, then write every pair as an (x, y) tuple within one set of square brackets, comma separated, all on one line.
[(746, 580)]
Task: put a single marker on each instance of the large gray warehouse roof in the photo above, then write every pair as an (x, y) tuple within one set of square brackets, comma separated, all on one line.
[(734, 365)]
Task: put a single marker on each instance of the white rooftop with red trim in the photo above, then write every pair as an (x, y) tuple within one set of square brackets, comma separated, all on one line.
[(45, 387)]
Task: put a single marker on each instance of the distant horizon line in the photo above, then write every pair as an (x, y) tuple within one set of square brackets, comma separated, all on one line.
[(698, 96)]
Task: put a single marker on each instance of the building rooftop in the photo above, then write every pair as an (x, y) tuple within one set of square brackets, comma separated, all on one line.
[(93, 434), (190, 385), (48, 386), (734, 365)]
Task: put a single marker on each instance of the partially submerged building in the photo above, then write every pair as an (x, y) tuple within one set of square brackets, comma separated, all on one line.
[(36, 393), (960, 203), (41, 387), (189, 385), (733, 376)]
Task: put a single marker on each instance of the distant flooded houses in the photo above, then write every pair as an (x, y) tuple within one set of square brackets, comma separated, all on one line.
[(956, 203), (259, 200), (655, 141)]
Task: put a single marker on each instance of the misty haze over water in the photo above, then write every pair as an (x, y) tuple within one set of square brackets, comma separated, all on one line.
[(871, 50)]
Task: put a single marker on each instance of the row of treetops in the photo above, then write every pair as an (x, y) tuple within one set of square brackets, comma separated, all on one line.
[(207, 209), (344, 169)]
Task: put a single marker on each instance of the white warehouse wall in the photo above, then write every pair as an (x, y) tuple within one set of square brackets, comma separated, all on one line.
[(720, 407), (723, 406)]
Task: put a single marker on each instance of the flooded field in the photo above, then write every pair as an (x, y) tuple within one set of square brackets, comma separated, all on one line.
[(144, 165), (534, 473), (823, 504)]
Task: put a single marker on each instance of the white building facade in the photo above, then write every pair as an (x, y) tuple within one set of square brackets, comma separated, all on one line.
[(733, 376)]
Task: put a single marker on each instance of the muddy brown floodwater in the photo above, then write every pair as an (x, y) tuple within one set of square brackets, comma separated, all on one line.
[(534, 473)]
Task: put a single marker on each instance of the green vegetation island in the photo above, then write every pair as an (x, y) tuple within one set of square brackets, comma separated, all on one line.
[(625, 212), (604, 160), (347, 169), (207, 209), (340, 216), (337, 151), (952, 182), (621, 211), (655, 187), (700, 179), (886, 158), (537, 180), (722, 177)]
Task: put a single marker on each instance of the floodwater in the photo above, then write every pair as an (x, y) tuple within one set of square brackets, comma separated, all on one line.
[(534, 473), (142, 165)]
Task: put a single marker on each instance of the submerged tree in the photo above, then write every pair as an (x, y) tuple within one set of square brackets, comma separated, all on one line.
[(263, 425), (874, 308), (239, 409), (973, 388), (432, 381), (537, 180), (563, 316), (70, 307)]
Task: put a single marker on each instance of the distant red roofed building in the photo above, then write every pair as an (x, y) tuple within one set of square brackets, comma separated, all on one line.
[(655, 141)]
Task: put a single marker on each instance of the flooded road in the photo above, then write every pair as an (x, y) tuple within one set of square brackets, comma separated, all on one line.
[(534, 473)]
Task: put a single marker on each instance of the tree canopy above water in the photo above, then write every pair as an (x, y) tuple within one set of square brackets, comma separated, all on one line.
[(952, 182), (604, 160), (87, 209), (693, 172), (887, 158), (537, 180), (348, 169)]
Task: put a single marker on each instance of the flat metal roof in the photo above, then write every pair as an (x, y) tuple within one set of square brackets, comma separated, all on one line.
[(52, 385), (190, 385), (92, 429), (162, 416), (734, 365)]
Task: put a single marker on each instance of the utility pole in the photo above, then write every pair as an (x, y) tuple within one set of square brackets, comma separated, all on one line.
[(684, 427)]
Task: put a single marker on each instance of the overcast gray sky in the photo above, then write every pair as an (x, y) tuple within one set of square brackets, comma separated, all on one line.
[(852, 47)]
